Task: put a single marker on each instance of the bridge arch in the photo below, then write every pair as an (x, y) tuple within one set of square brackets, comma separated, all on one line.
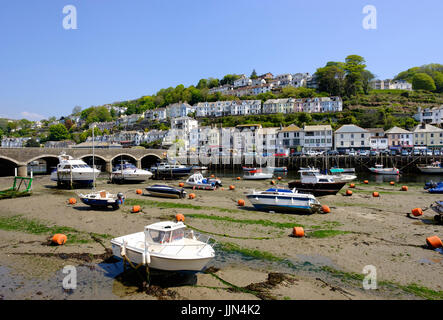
[(99, 161), (148, 160), (123, 157), (8, 166), (51, 161)]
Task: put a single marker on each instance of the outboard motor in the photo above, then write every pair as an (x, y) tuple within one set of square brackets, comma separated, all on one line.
[(121, 197)]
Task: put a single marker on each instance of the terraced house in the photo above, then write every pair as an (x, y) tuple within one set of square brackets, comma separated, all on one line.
[(427, 135), (290, 138), (399, 138), (279, 106), (317, 138), (351, 136)]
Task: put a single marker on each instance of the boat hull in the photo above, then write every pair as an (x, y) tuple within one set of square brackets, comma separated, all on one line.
[(163, 263), (77, 177), (317, 189), (430, 170), (390, 172), (262, 176), (281, 205), (166, 192)]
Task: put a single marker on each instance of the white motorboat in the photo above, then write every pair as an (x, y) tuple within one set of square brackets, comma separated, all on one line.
[(379, 169), (283, 200), (73, 170), (433, 168), (256, 174), (127, 172), (199, 182), (166, 246), (102, 199), (340, 175), (312, 181)]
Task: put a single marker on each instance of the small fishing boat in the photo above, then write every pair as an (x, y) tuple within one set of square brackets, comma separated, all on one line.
[(438, 189), (70, 170), (102, 199), (379, 169), (167, 246), (339, 175), (164, 191), (312, 181), (127, 172), (199, 182), (257, 174), (433, 168), (283, 200)]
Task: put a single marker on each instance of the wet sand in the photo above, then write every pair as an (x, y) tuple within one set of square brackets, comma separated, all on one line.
[(359, 231)]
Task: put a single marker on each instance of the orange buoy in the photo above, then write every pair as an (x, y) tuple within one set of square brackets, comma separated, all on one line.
[(404, 188), (326, 209), (135, 209), (392, 183), (222, 189), (366, 182), (138, 191), (352, 185), (181, 184), (375, 194), (279, 178), (231, 187), (417, 212), (238, 178), (212, 176), (72, 201), (192, 196), (298, 232), (59, 238), (348, 192), (434, 242), (272, 182), (179, 217), (241, 202)]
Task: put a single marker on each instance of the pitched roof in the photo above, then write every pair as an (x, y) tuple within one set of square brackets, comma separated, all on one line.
[(290, 128), (397, 130), (317, 128), (426, 128), (350, 128)]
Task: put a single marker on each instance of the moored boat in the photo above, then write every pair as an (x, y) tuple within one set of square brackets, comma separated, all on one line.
[(257, 174), (283, 200), (339, 175), (379, 169), (433, 168), (164, 191), (165, 246), (127, 172), (102, 199), (199, 182), (171, 170), (312, 181), (73, 170)]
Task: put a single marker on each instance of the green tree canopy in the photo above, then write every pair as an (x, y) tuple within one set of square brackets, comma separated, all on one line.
[(58, 132), (423, 81)]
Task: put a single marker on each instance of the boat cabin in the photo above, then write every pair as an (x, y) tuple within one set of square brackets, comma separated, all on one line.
[(313, 176), (165, 232)]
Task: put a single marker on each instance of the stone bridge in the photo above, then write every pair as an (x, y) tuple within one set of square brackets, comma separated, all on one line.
[(21, 157)]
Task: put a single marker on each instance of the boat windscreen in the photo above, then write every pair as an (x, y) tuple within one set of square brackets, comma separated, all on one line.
[(157, 236)]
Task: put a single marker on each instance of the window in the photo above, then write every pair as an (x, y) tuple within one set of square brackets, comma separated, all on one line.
[(362, 143), (363, 135), (341, 143)]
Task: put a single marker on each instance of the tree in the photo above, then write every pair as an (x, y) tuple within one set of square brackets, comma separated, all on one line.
[(68, 124), (253, 75), (58, 132), (76, 110), (32, 143), (354, 67), (229, 79), (367, 76), (423, 81), (331, 78), (438, 79)]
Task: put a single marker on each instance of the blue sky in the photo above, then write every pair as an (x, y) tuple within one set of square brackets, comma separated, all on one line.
[(126, 49)]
